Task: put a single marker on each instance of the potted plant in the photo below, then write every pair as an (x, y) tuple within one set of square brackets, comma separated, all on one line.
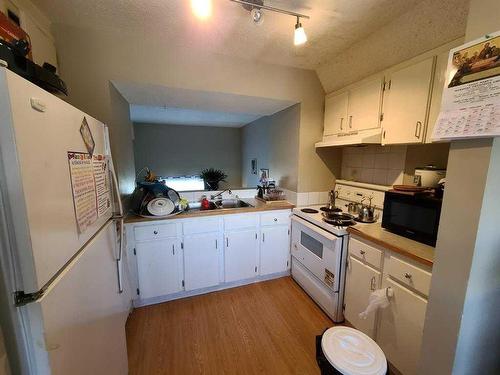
[(211, 177)]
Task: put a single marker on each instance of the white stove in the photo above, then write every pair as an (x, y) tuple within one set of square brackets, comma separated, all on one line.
[(316, 218), (319, 250)]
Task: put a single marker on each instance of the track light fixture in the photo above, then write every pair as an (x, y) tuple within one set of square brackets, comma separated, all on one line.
[(256, 7)]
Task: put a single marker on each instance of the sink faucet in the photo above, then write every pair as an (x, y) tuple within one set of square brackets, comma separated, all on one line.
[(220, 194)]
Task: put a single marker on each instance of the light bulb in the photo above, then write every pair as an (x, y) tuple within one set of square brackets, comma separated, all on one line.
[(299, 36), (202, 9)]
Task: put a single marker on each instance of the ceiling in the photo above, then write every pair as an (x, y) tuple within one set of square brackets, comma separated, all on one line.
[(168, 105), (334, 25)]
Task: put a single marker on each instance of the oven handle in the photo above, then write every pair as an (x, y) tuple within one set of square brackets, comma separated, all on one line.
[(315, 228)]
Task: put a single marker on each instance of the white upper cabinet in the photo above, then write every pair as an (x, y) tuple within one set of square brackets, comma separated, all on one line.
[(364, 105), (354, 109), (336, 113), (437, 93), (406, 103)]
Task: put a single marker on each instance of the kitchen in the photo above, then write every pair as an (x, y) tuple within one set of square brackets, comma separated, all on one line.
[(305, 135)]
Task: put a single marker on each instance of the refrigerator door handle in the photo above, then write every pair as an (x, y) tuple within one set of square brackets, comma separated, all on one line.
[(118, 217)]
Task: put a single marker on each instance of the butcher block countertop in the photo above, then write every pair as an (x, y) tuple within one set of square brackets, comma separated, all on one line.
[(257, 206), (375, 233)]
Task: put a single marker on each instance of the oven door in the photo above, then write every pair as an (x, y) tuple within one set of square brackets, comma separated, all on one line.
[(412, 216), (317, 250)]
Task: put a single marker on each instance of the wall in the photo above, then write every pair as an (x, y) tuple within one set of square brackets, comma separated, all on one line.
[(90, 59), (461, 334), (174, 150), (428, 25), (381, 165), (274, 142)]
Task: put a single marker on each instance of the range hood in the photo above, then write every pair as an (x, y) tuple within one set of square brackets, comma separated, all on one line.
[(363, 137)]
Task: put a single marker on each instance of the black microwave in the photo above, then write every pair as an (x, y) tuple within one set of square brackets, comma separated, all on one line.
[(412, 216)]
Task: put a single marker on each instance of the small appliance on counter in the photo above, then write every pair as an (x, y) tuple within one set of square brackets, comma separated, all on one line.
[(413, 215), (429, 176), (153, 199)]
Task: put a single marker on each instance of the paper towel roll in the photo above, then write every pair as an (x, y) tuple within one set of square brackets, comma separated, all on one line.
[(379, 299)]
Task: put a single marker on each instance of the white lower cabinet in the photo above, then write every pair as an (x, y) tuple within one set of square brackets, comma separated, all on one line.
[(397, 328), (159, 266), (201, 260), (401, 326), (274, 250), (183, 257), (241, 250), (361, 280)]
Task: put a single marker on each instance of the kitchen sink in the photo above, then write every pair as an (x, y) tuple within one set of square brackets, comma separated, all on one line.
[(220, 204)]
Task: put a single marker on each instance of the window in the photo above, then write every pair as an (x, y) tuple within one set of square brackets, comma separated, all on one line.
[(185, 183)]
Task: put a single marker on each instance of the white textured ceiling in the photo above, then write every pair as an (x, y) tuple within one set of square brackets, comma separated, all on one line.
[(168, 105), (334, 25)]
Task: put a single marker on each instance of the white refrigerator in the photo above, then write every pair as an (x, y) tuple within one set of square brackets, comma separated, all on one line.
[(61, 243)]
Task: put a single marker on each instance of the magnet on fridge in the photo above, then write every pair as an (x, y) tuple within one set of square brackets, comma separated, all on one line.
[(38, 105)]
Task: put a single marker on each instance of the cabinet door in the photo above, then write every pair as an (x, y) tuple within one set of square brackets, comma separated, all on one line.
[(335, 114), (159, 265), (437, 93), (400, 329), (274, 250), (201, 260), (361, 280), (240, 255), (364, 106), (406, 102)]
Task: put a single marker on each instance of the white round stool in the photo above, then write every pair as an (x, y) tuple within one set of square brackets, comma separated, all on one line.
[(351, 352)]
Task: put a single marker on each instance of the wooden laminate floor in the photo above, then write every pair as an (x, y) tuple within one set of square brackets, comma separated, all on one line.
[(263, 328)]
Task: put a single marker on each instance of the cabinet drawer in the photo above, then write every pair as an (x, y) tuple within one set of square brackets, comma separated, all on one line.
[(365, 252), (151, 232), (275, 218), (201, 225), (232, 222), (409, 275)]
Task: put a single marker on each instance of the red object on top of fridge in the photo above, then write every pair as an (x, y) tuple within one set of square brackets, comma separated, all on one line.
[(15, 35)]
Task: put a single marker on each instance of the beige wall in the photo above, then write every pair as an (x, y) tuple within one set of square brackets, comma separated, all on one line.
[(90, 59), (274, 142), (422, 155), (175, 150), (461, 334), (429, 24)]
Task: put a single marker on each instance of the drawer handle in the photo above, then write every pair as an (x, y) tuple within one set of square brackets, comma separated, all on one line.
[(407, 275), (275, 219), (155, 232), (362, 252)]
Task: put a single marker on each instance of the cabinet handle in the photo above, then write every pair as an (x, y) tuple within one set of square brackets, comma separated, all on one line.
[(373, 283), (263, 237), (407, 275), (350, 122), (275, 219), (341, 122), (227, 242), (362, 252), (418, 129), (155, 232), (216, 246), (173, 249)]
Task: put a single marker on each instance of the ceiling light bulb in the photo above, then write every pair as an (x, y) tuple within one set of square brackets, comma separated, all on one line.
[(299, 36), (202, 9)]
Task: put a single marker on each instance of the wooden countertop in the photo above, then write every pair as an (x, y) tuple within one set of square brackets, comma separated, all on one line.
[(257, 206), (415, 250)]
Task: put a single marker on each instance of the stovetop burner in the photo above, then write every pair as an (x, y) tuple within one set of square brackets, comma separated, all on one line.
[(341, 220), (309, 210), (326, 209)]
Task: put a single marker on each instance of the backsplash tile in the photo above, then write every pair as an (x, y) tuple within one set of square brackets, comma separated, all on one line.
[(381, 165)]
